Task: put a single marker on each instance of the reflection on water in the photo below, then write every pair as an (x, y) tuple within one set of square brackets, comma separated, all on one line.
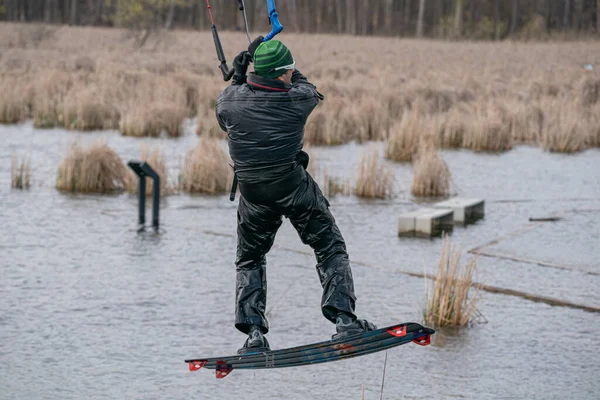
[(88, 307)]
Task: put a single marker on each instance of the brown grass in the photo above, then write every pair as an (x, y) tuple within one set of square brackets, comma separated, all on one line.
[(485, 96), (404, 137), (209, 126), (156, 159), (431, 176), (14, 100), (566, 130), (207, 169), (153, 120), (375, 180), (20, 172), (449, 301), (96, 169), (333, 185), (487, 130)]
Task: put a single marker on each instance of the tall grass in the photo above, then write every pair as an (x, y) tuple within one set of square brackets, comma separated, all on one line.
[(566, 130), (156, 159), (431, 176), (20, 172), (404, 136), (483, 96), (450, 300), (206, 169), (96, 169), (375, 180)]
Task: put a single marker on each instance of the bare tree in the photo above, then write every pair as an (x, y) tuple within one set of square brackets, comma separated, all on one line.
[(566, 14), (458, 17), (514, 17), (420, 18)]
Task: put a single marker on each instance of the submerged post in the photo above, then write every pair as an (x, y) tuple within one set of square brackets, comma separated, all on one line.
[(142, 170)]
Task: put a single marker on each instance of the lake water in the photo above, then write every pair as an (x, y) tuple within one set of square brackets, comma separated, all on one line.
[(91, 309)]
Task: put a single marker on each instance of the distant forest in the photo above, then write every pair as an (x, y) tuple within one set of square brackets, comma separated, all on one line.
[(474, 19)]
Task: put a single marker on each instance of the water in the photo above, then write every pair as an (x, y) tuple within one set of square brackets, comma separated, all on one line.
[(89, 308)]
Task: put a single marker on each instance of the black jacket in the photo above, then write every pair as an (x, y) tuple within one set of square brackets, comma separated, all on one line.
[(264, 120)]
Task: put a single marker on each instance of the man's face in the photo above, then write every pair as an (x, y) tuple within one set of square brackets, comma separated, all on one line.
[(287, 77)]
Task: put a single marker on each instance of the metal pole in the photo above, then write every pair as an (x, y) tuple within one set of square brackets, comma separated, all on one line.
[(142, 200), (155, 200)]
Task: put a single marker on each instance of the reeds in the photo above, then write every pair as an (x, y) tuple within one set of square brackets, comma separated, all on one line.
[(431, 176), (206, 169), (483, 96), (566, 130), (487, 130), (403, 139), (14, 100), (449, 299), (375, 180), (96, 169), (20, 172), (156, 159)]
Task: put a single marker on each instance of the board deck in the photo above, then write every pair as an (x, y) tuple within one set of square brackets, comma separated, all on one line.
[(330, 350)]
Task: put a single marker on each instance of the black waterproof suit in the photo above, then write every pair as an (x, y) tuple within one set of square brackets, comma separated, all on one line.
[(264, 120)]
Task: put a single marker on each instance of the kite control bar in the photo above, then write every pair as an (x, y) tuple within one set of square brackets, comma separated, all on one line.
[(276, 27)]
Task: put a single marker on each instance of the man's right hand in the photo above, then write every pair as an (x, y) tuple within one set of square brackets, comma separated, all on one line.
[(240, 67)]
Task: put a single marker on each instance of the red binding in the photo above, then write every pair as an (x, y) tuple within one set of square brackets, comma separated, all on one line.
[(397, 331), (223, 369), (197, 364), (423, 340)]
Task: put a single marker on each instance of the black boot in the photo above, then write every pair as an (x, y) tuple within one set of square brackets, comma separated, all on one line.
[(348, 325), (256, 342)]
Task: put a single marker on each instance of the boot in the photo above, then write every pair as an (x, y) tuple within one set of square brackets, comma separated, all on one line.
[(256, 342), (348, 325)]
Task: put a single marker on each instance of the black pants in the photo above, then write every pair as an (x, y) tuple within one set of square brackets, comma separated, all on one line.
[(258, 222)]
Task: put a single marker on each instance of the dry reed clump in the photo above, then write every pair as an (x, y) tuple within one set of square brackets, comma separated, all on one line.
[(97, 169), (431, 176), (155, 158), (207, 169), (20, 172), (449, 302), (487, 130), (526, 122), (152, 120), (453, 128), (208, 126), (593, 118), (375, 180), (332, 185), (50, 91), (589, 91), (331, 123), (14, 102), (565, 131), (86, 109), (403, 141)]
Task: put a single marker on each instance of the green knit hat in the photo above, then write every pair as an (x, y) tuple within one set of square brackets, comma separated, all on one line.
[(271, 55)]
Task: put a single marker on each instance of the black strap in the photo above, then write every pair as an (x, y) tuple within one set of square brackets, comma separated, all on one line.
[(233, 186)]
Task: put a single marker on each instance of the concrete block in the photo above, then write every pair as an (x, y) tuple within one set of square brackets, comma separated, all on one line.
[(465, 210), (425, 222)]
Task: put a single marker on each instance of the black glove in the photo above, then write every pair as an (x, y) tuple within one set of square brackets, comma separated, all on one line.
[(254, 45), (240, 67), (303, 159)]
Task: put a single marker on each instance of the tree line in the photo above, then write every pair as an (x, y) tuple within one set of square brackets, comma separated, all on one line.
[(477, 19)]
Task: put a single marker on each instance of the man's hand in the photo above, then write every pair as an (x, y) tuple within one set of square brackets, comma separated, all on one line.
[(240, 67), (254, 45)]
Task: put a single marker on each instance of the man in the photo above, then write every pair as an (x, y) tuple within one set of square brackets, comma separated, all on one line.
[(264, 116)]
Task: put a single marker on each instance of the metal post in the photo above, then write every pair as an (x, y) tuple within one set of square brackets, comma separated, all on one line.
[(142, 200), (155, 200), (142, 170)]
